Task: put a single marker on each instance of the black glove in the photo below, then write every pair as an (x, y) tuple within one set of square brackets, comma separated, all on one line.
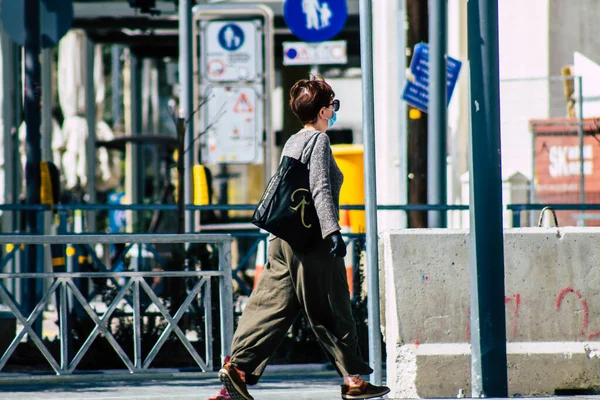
[(338, 247)]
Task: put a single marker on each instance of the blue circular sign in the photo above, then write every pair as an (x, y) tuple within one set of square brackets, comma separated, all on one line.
[(231, 37), (292, 53), (315, 20)]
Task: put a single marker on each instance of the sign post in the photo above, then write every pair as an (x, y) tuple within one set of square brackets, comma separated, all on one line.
[(488, 320), (233, 60), (231, 84)]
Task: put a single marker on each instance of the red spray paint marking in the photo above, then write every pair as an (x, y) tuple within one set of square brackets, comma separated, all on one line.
[(417, 341), (468, 326), (584, 323), (515, 313), (516, 306), (594, 335)]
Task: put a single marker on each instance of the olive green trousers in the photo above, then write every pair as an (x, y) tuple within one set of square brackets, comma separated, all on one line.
[(293, 282)]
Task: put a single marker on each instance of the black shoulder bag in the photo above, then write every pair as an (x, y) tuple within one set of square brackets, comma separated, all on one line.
[(286, 208)]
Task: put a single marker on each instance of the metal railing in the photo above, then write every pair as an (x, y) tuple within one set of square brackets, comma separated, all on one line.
[(518, 208), (135, 282), (64, 209)]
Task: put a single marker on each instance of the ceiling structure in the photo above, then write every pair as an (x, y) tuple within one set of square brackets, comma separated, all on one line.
[(115, 22)]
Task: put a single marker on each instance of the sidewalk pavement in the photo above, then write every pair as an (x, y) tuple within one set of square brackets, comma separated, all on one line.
[(279, 382)]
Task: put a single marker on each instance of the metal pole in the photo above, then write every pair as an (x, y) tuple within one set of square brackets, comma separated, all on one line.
[(90, 144), (366, 63), (532, 182), (488, 325), (137, 162), (19, 109), (402, 123), (155, 107), (180, 175), (116, 84), (46, 76), (33, 138), (437, 112), (9, 87), (46, 105), (226, 299), (186, 99), (581, 145)]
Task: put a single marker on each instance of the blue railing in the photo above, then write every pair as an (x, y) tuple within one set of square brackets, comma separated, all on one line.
[(63, 209), (212, 207), (518, 208)]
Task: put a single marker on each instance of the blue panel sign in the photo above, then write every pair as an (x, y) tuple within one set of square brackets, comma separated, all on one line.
[(231, 37), (315, 20), (416, 92)]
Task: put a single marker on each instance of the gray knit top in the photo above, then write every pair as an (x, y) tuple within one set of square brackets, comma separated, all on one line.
[(325, 177)]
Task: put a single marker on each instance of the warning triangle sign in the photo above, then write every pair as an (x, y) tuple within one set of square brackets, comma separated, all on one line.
[(243, 105), (303, 56)]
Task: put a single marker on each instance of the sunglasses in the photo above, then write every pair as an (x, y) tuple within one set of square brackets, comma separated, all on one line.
[(335, 104)]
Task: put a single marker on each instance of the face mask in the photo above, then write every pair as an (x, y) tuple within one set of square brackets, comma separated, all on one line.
[(331, 121)]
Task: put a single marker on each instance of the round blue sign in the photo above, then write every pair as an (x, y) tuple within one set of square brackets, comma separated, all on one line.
[(292, 53), (231, 37), (315, 20)]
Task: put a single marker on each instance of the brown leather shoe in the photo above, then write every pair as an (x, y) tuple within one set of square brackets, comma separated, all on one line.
[(364, 391), (234, 384)]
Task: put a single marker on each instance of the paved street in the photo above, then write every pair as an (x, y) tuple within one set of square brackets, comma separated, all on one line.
[(275, 385)]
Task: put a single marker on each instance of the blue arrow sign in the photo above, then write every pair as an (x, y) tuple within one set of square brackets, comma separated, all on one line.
[(416, 93), (315, 20)]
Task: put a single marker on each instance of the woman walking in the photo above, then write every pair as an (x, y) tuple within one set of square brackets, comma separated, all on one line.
[(310, 282)]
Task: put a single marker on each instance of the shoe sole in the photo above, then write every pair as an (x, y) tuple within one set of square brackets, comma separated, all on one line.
[(365, 396), (234, 391)]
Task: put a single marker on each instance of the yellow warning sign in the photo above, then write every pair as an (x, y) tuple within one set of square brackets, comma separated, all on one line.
[(243, 105)]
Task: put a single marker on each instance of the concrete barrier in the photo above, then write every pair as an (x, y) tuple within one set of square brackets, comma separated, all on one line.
[(552, 310)]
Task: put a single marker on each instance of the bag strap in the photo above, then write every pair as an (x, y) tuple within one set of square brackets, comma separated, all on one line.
[(312, 147)]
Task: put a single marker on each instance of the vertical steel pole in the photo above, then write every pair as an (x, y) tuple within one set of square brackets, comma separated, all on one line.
[(19, 108), (366, 63), (33, 139), (581, 145), (437, 112), (46, 128), (11, 175), (63, 313), (155, 107), (137, 325), (532, 188), (116, 84), (16, 166), (186, 99), (225, 299), (137, 162), (90, 144), (402, 123), (488, 325), (47, 105), (180, 176)]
